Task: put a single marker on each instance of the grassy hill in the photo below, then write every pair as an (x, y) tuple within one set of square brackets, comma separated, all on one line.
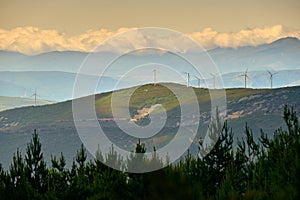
[(260, 108), (240, 103)]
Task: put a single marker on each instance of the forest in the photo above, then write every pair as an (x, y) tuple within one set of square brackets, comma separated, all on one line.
[(267, 168)]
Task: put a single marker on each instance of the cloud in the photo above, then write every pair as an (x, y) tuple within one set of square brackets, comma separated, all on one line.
[(33, 40), (246, 37)]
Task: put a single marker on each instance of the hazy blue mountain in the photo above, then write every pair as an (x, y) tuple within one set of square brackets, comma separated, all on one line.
[(53, 73), (256, 79), (11, 89), (51, 85), (66, 61), (282, 54), (9, 59), (58, 86)]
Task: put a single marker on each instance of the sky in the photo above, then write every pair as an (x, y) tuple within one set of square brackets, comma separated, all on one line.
[(34, 26)]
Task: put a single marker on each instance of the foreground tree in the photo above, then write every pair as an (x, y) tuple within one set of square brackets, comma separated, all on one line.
[(36, 170), (264, 169)]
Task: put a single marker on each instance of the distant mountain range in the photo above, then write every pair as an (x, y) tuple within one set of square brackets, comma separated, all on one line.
[(256, 79), (53, 86), (58, 86), (66, 61), (260, 108), (282, 54), (53, 74)]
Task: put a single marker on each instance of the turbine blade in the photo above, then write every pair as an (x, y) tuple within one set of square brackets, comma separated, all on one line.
[(196, 77)]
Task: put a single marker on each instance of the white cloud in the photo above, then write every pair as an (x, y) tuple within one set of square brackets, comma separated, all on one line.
[(252, 37), (32, 40)]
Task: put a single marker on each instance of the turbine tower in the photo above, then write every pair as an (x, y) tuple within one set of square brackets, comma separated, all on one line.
[(154, 77), (188, 79), (271, 77), (214, 79), (35, 95), (246, 76), (198, 80)]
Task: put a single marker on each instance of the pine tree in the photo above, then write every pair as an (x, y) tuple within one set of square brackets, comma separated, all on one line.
[(57, 178), (81, 157), (17, 168), (219, 158), (3, 182), (137, 162), (114, 160), (36, 170)]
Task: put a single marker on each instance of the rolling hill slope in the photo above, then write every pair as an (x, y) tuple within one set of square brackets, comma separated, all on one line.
[(260, 108), (7, 103)]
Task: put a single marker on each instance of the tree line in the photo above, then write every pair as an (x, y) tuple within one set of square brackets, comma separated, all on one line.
[(265, 169)]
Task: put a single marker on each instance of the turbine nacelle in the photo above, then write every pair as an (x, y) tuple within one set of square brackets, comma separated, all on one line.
[(271, 77)]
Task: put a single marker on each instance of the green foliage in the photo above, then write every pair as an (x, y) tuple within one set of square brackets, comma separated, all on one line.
[(81, 156), (113, 159), (217, 154), (57, 178), (263, 169), (228, 188), (36, 170)]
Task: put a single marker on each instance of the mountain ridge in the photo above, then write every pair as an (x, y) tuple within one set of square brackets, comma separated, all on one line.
[(260, 108), (70, 61)]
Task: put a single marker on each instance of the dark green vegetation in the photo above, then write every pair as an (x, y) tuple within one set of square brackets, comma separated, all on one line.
[(266, 169)]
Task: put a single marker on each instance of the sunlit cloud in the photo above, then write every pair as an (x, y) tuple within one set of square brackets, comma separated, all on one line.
[(33, 40), (210, 38)]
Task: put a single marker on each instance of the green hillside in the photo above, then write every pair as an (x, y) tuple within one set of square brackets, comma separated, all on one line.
[(260, 108), (241, 103)]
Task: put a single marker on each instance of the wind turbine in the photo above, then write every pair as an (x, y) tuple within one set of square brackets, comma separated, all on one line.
[(214, 78), (154, 77), (188, 79), (25, 94), (271, 77), (246, 76), (198, 80), (35, 95)]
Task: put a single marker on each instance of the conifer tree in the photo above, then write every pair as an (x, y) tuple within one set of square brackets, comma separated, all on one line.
[(17, 168), (81, 157), (36, 170)]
